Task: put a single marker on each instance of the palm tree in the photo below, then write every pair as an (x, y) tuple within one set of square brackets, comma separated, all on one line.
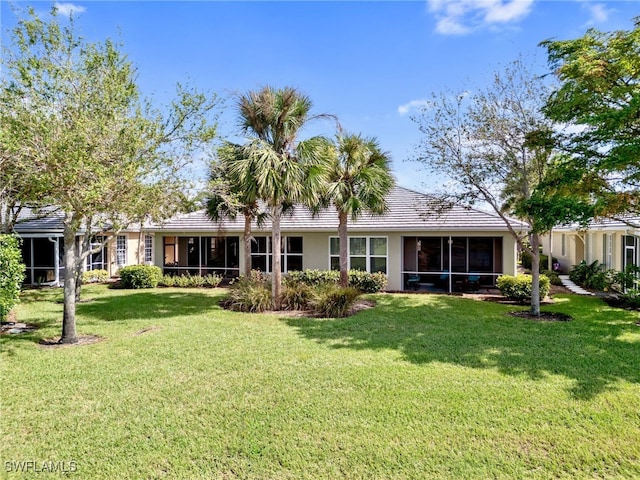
[(231, 195), (277, 162), (358, 180)]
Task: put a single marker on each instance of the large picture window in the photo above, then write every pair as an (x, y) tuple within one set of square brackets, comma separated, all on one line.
[(291, 254), (368, 254), (201, 255)]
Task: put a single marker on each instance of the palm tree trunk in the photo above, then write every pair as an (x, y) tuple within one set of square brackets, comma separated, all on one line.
[(276, 243), (69, 315), (344, 249), (535, 274), (246, 238)]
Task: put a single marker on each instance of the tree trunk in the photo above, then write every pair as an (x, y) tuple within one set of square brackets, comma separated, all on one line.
[(276, 243), (535, 274), (69, 315), (246, 238), (344, 249)]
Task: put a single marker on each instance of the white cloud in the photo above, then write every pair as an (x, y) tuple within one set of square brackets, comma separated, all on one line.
[(68, 9), (459, 17), (413, 104), (599, 13)]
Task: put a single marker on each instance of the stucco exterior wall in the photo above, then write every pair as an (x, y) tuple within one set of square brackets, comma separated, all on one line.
[(316, 248)]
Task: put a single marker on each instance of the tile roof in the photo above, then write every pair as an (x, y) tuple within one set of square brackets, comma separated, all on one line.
[(407, 211)]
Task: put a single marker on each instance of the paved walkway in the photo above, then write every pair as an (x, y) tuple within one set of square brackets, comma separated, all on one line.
[(572, 286)]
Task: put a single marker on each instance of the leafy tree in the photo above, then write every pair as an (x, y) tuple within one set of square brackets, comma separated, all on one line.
[(11, 273), (494, 148), (599, 98), (281, 167), (358, 178), (75, 127)]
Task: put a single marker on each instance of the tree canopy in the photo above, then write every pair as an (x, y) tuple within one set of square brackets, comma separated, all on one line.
[(599, 99), (489, 145), (76, 135)]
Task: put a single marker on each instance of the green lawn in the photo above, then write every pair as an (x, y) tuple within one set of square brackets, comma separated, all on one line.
[(418, 387)]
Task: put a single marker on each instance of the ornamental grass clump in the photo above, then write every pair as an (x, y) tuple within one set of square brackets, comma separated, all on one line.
[(333, 301), (296, 295), (518, 288), (250, 293)]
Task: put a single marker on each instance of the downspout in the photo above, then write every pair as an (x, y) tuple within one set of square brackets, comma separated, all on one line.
[(56, 261), (450, 265), (550, 259)]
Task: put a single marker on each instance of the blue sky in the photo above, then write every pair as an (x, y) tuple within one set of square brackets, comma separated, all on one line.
[(370, 63)]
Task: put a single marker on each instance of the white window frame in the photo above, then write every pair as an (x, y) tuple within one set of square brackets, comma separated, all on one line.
[(368, 255), (285, 253), (148, 249), (121, 250)]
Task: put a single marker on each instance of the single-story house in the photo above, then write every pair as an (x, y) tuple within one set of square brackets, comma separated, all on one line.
[(416, 243), (43, 248), (613, 243)]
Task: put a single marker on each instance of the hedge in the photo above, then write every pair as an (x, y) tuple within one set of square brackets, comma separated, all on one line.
[(518, 288), (11, 273)]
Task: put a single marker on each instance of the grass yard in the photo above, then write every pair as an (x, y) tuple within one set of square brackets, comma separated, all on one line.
[(418, 387)]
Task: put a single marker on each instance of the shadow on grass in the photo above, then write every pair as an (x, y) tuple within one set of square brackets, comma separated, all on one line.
[(96, 308), (599, 347), (148, 304)]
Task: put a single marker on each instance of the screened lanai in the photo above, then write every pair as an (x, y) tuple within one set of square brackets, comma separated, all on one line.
[(448, 263)]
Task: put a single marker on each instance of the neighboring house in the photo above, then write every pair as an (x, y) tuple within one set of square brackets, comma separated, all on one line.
[(413, 244), (417, 244), (613, 243), (42, 249)]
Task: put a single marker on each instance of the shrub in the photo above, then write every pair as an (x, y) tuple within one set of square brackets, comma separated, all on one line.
[(167, 281), (11, 273), (250, 293), (518, 288), (333, 301), (367, 282), (631, 300), (364, 281), (592, 275), (629, 279), (553, 277), (140, 276), (296, 295), (95, 276), (211, 280), (315, 277)]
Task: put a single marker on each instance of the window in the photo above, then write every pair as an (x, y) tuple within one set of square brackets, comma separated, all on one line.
[(291, 254), (148, 249), (201, 255), (121, 250), (98, 260), (368, 254), (563, 245), (607, 250)]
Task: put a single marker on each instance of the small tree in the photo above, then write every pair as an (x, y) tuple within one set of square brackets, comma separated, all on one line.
[(230, 194), (76, 131), (358, 178), (11, 273), (279, 165), (494, 147)]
